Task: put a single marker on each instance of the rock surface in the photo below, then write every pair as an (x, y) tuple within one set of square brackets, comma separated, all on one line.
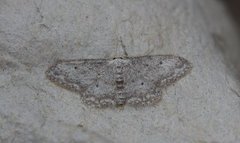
[(203, 107)]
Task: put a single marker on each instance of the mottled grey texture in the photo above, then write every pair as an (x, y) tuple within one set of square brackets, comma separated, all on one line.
[(202, 107), (134, 81)]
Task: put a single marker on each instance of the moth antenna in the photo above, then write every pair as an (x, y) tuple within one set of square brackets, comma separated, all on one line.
[(124, 51), (123, 48)]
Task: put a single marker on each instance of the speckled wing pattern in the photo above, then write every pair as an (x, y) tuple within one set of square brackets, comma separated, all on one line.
[(135, 81)]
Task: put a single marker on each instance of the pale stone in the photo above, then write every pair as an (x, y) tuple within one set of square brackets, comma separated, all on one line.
[(202, 107)]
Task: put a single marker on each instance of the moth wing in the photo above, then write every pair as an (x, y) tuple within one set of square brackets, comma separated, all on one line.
[(91, 76), (149, 72)]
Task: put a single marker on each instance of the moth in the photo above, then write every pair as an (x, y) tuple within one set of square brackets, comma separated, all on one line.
[(134, 81)]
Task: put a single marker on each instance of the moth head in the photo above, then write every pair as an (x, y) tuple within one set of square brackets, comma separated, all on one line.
[(117, 58)]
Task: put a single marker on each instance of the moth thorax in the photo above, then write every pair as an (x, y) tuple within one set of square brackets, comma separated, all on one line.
[(119, 80), (120, 99)]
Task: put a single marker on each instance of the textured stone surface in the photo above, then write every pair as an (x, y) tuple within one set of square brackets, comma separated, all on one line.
[(203, 107)]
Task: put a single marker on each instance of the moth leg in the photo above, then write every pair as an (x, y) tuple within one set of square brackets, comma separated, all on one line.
[(98, 103), (91, 101), (153, 99), (149, 99), (135, 101), (107, 102)]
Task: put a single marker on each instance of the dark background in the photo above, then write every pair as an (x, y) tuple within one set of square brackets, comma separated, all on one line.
[(233, 7)]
